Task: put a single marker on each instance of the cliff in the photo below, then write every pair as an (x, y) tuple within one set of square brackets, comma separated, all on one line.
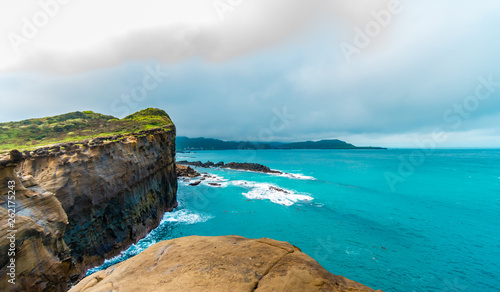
[(78, 203), (42, 258), (225, 263)]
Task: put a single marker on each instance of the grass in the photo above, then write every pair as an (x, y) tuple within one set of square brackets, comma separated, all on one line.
[(75, 126)]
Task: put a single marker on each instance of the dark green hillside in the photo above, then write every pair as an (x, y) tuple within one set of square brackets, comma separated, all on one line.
[(185, 143), (324, 144), (76, 126)]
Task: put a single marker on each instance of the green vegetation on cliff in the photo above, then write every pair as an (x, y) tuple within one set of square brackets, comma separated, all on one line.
[(76, 126)]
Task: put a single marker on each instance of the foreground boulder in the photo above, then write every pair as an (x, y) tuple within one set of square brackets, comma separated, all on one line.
[(225, 263)]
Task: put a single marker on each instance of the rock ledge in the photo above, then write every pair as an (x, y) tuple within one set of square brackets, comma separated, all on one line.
[(225, 263)]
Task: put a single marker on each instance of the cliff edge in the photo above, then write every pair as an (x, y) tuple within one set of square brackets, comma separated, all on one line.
[(224, 263), (81, 202)]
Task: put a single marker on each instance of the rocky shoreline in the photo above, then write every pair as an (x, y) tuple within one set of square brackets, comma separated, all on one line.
[(231, 165)]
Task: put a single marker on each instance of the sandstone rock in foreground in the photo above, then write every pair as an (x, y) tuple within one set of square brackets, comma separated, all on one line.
[(226, 263)]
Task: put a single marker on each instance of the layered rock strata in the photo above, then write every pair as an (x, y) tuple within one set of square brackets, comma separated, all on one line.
[(79, 203)]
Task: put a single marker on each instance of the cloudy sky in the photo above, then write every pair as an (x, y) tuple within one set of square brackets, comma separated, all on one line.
[(371, 72)]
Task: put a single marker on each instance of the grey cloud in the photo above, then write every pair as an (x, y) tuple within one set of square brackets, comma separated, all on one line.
[(251, 26)]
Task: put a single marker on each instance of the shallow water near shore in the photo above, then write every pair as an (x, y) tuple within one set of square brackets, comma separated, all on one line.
[(435, 230)]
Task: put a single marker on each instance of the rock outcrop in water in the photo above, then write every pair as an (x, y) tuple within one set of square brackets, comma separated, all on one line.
[(226, 263), (249, 166), (186, 171), (79, 203), (232, 165)]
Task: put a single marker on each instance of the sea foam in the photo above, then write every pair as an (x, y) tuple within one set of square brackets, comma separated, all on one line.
[(267, 191), (295, 176), (185, 217), (210, 180)]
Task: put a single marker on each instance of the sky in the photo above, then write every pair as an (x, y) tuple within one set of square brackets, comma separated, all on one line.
[(370, 72)]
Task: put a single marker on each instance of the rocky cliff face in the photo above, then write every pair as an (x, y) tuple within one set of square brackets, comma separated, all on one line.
[(82, 202), (42, 259), (225, 263)]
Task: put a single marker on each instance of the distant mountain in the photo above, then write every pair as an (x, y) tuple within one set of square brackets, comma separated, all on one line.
[(185, 143), (324, 144)]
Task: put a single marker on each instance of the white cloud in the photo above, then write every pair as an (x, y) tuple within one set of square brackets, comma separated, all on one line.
[(83, 35)]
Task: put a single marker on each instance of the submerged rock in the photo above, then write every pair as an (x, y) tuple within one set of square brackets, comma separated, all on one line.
[(195, 183), (225, 263)]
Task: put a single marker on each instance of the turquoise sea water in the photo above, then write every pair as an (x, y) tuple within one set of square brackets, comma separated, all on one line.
[(436, 229)]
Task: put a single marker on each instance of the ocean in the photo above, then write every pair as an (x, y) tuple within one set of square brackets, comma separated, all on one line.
[(396, 220)]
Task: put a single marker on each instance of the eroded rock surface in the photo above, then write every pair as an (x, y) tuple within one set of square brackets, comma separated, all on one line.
[(186, 171), (225, 263), (82, 202), (42, 259)]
